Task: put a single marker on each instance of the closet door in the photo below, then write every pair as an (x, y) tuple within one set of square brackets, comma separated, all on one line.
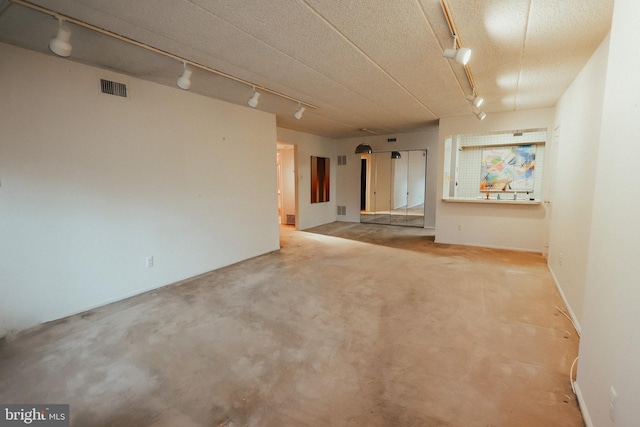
[(393, 188), (367, 188), (416, 179), (382, 191), (399, 190), (375, 184)]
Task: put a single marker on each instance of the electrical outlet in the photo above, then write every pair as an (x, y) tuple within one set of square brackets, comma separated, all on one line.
[(561, 258), (459, 227), (150, 261), (613, 400)]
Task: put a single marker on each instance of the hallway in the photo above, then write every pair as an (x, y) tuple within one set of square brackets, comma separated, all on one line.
[(328, 331)]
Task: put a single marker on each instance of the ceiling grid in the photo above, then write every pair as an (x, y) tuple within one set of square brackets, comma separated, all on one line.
[(369, 64)]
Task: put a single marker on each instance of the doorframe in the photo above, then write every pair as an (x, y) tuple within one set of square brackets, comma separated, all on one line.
[(364, 168), (291, 180)]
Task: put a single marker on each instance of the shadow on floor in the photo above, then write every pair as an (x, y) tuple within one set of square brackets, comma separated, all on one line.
[(411, 238)]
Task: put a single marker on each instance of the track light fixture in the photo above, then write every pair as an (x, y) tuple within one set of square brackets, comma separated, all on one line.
[(60, 44), (395, 155), (364, 149), (184, 82), (460, 55), (298, 114), (475, 100), (253, 101)]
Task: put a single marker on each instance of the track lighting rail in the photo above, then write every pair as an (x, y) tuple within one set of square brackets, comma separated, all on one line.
[(457, 45), (125, 39)]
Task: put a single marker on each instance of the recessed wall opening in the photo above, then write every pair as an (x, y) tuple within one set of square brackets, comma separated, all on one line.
[(499, 166)]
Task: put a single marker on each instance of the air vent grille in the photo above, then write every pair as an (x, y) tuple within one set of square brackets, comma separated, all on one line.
[(291, 219), (113, 88), (342, 160)]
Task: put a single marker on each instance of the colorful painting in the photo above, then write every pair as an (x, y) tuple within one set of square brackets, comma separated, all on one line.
[(508, 168)]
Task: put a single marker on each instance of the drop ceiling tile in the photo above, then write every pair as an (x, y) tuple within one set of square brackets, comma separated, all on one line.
[(365, 64)]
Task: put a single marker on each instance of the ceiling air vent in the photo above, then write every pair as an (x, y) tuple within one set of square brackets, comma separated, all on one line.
[(113, 88)]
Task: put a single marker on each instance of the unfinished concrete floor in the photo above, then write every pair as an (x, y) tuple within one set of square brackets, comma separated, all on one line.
[(329, 331)]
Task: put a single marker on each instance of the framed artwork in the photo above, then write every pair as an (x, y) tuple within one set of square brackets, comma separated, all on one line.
[(319, 179), (509, 168)]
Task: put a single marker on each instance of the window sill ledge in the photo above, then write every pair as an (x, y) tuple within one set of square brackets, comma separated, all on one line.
[(492, 201)]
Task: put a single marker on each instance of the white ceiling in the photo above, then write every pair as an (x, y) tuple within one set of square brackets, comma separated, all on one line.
[(374, 64)]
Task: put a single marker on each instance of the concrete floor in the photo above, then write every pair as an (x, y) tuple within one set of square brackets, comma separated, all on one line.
[(380, 327)]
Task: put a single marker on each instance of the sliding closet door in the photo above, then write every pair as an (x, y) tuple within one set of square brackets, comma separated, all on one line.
[(375, 186), (383, 188), (416, 179), (393, 188), (399, 194)]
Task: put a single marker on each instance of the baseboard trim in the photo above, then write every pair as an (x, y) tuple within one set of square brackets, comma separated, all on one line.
[(583, 406), (581, 403), (566, 303), (474, 245)]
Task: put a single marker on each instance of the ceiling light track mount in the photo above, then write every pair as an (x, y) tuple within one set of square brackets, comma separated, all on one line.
[(298, 113), (65, 37), (253, 101), (459, 55), (184, 82), (61, 43)]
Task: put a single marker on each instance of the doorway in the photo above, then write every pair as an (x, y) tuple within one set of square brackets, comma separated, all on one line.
[(287, 193), (363, 184)]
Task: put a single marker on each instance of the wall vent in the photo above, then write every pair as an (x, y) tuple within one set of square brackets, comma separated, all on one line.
[(113, 88), (291, 219), (342, 160), (342, 210), (391, 139)]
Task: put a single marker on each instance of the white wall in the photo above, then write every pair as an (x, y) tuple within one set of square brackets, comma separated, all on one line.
[(577, 134), (349, 175), (520, 227), (92, 184), (610, 344), (307, 145)]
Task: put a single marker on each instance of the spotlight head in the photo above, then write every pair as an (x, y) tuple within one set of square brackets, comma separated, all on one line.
[(481, 115), (477, 101), (298, 114), (184, 82), (461, 56), (60, 44), (253, 101)]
